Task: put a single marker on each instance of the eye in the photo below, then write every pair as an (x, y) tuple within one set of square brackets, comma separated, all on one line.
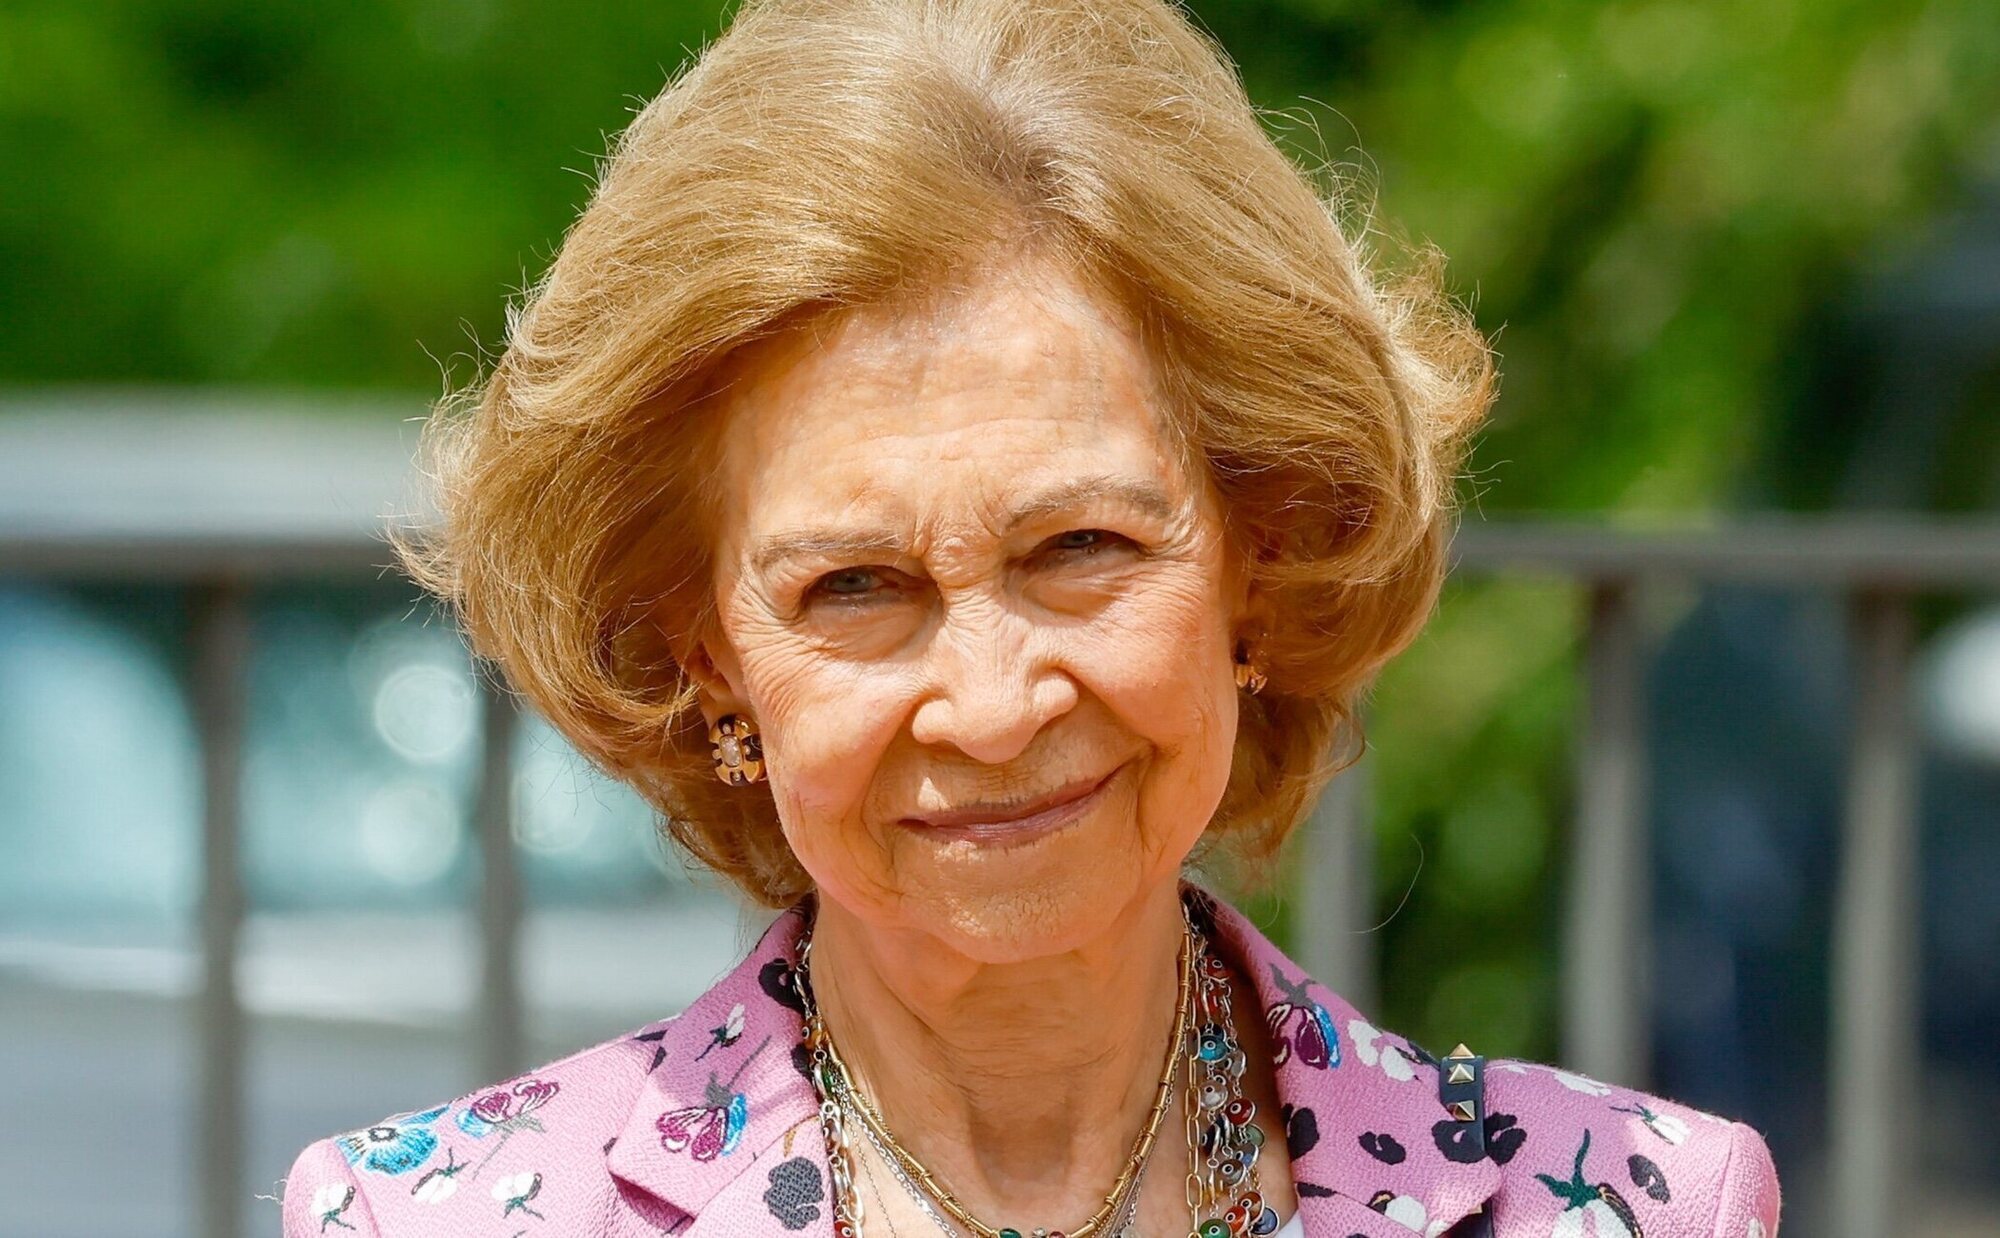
[(849, 582), (1081, 543)]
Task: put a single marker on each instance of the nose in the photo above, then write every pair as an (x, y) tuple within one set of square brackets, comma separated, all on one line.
[(993, 687)]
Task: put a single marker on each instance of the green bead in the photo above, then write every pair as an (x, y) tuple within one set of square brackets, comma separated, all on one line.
[(1010, 1233), (1214, 1229)]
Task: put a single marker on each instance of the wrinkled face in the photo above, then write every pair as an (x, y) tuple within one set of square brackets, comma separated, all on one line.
[(981, 615)]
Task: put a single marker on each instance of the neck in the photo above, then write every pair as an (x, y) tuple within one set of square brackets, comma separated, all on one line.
[(1021, 1085)]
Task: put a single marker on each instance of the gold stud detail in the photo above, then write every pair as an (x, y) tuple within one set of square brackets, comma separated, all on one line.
[(1460, 1073), (1249, 675), (738, 752), (1460, 1111), (1460, 1051)]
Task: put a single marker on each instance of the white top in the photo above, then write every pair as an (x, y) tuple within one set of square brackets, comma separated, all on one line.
[(1293, 1228)]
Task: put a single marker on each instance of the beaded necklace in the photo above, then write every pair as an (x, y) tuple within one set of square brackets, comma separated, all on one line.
[(1222, 1137)]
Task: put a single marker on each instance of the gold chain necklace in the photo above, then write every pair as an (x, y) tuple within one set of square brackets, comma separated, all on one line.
[(836, 1085)]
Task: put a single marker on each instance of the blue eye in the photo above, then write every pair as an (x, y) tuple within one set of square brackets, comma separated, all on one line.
[(850, 581)]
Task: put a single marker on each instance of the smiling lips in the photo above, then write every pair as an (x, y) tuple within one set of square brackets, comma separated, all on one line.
[(1018, 823)]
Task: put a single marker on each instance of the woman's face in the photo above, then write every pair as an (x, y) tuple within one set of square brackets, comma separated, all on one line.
[(981, 615)]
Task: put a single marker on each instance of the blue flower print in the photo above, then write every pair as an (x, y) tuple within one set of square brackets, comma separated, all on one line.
[(394, 1146)]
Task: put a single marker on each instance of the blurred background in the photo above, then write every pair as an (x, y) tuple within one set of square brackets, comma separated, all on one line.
[(1691, 784)]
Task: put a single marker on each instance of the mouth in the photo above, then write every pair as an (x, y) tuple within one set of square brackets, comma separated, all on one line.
[(1023, 822)]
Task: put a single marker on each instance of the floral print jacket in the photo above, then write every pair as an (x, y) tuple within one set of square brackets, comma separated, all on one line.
[(705, 1125)]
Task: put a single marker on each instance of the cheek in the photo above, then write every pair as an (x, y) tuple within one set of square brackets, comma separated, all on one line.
[(826, 724), (1161, 666)]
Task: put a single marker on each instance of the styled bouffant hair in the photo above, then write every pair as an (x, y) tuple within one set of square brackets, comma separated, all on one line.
[(826, 154)]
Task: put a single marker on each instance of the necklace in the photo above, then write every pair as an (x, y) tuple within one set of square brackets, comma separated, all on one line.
[(1121, 1225), (1223, 1140), (839, 1094)]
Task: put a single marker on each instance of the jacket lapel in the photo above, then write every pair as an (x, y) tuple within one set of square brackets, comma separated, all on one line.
[(724, 1138), (1347, 1087), (723, 1086)]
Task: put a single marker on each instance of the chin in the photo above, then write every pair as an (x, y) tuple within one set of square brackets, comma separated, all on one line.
[(1017, 904), (1022, 921)]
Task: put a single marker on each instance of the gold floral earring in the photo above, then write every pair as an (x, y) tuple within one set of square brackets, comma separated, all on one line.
[(739, 753), (1249, 674)]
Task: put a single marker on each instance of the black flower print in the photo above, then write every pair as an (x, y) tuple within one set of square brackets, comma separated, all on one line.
[(776, 978), (1459, 1141), (1600, 1204), (1383, 1147), (1648, 1178), (1301, 1130), (1503, 1137), (795, 1193)]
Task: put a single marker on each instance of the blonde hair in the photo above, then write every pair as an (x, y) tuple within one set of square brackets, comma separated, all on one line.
[(824, 154)]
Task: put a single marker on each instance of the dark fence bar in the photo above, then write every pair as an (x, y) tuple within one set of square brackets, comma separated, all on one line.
[(500, 1019), (1874, 1040), (1605, 996), (220, 625)]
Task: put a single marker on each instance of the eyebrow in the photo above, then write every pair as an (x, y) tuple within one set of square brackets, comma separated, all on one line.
[(1141, 496)]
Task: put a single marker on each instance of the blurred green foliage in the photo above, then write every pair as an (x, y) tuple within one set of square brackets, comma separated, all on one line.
[(1650, 203)]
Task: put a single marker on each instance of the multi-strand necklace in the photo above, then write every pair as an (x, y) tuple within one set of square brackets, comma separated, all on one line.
[(1223, 1139)]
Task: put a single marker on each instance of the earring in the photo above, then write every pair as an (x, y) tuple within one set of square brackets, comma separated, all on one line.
[(739, 753), (1249, 676)]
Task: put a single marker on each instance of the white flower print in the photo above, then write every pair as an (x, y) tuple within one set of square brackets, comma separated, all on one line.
[(515, 1190), (1574, 1082), (440, 1183), (329, 1202), (1392, 1061), (1405, 1211), (1593, 1220), (1581, 1083), (1665, 1125)]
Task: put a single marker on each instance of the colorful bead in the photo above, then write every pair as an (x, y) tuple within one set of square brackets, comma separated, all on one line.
[(842, 1229), (1239, 1111), (1251, 1202), (1010, 1233), (1235, 1218), (1212, 1048), (1250, 1135), (1266, 1223), (1213, 1229)]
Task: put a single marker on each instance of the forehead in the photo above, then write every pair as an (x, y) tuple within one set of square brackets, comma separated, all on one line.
[(1022, 378)]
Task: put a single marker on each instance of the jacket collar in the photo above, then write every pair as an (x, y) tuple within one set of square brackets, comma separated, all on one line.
[(726, 1079)]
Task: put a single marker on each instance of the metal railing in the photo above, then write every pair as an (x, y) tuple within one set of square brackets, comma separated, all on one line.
[(1878, 564)]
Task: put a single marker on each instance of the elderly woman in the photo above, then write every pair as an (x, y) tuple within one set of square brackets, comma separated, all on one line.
[(958, 471)]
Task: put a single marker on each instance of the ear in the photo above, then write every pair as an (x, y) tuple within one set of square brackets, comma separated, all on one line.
[(709, 662), (1250, 608)]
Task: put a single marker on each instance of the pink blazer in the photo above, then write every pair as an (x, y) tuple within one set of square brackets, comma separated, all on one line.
[(704, 1125)]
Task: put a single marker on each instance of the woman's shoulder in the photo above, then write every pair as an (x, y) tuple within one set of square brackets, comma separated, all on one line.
[(1630, 1162), (524, 1145)]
